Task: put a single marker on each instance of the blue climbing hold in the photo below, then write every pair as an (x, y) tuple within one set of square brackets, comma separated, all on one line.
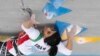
[(57, 3), (50, 11), (63, 26)]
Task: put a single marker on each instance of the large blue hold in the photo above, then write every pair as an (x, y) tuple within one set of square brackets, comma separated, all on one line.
[(62, 10), (57, 3), (51, 11), (61, 26)]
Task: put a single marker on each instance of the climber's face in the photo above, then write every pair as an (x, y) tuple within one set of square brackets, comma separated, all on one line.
[(48, 31)]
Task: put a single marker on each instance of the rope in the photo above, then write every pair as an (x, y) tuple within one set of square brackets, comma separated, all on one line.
[(6, 52), (23, 6), (2, 47), (28, 10)]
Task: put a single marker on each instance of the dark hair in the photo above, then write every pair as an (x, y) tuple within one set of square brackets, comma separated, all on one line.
[(53, 41)]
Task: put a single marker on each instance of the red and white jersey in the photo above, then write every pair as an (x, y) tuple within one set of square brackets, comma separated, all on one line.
[(27, 46)]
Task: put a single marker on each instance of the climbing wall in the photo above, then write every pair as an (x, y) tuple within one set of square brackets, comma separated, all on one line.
[(84, 13)]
